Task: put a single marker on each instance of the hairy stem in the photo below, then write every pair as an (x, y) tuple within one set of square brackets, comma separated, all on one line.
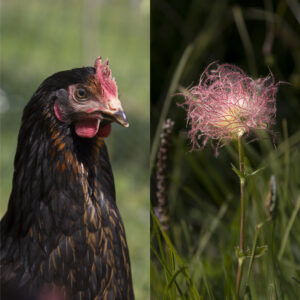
[(242, 226)]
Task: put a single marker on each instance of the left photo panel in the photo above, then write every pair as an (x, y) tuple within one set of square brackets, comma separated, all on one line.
[(74, 150)]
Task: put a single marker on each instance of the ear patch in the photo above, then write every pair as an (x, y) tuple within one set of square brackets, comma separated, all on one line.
[(58, 112)]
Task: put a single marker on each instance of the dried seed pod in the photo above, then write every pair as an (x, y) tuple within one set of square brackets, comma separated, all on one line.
[(162, 208), (271, 202)]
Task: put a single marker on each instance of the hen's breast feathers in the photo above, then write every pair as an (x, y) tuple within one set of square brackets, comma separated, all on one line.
[(70, 233)]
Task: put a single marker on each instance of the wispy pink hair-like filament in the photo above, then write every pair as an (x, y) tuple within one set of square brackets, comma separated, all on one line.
[(227, 104)]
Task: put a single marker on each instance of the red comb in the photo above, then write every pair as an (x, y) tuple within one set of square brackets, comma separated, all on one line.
[(103, 74)]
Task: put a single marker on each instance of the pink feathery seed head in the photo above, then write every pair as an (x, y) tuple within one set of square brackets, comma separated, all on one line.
[(108, 83), (227, 104)]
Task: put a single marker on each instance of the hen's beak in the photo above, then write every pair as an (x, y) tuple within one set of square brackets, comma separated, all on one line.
[(117, 116), (115, 113), (120, 117)]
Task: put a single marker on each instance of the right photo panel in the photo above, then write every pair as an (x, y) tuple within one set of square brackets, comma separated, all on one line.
[(225, 149)]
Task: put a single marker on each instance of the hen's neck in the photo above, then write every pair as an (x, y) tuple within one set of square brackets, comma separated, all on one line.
[(60, 174)]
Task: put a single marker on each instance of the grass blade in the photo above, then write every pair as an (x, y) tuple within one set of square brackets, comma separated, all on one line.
[(173, 86), (288, 229)]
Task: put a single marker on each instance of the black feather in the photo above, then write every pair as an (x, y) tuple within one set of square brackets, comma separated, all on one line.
[(62, 228)]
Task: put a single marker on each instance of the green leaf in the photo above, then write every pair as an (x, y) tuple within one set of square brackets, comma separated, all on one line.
[(247, 295), (249, 172), (171, 281), (237, 172), (239, 253), (259, 251), (168, 242)]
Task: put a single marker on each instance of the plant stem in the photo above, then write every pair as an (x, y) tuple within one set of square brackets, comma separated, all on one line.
[(257, 230), (242, 226), (288, 229)]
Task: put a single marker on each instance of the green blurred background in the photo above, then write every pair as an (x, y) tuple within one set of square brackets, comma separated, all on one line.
[(39, 38), (204, 206)]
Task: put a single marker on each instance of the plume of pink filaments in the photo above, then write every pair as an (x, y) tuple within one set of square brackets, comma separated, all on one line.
[(227, 104)]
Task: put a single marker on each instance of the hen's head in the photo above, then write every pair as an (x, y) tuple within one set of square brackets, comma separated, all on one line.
[(84, 100)]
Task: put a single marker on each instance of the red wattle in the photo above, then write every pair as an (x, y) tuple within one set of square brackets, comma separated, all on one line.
[(87, 128), (105, 131)]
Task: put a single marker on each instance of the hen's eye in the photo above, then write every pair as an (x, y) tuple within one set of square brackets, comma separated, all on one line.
[(81, 93)]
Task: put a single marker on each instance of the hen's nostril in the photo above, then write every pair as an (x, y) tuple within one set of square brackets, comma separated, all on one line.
[(111, 107)]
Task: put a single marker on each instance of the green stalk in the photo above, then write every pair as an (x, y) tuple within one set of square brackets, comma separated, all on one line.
[(242, 226), (257, 230), (288, 229)]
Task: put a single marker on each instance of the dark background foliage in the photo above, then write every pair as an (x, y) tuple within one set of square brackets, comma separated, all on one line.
[(273, 30), (259, 37)]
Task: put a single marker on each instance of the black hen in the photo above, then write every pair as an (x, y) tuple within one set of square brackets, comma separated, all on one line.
[(62, 236)]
